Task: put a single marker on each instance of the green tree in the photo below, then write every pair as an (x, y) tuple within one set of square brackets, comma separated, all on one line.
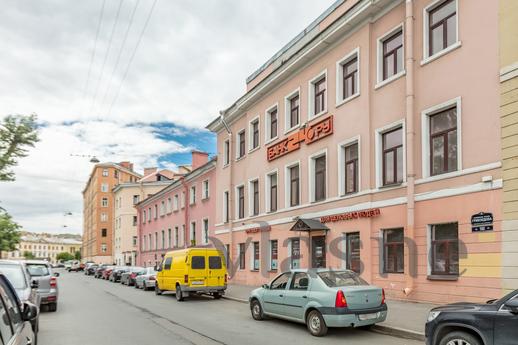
[(28, 255), (77, 255), (9, 233), (17, 134), (64, 256)]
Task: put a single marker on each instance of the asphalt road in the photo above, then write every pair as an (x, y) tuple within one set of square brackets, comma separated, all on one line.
[(97, 312)]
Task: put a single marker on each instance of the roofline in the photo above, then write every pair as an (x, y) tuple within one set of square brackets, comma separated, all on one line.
[(137, 184), (109, 165)]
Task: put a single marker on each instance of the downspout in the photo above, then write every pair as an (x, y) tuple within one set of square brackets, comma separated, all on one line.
[(410, 259), (186, 214), (230, 209)]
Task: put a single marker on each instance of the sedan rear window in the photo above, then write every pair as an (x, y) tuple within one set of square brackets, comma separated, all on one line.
[(38, 270), (215, 262), (341, 278), (198, 262)]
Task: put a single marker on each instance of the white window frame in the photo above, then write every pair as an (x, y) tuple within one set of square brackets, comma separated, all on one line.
[(182, 200), (251, 134), (311, 174), (311, 95), (237, 200), (238, 157), (175, 202), (106, 173), (169, 205), (226, 156), (252, 256), (270, 268), (287, 184), (226, 206), (379, 151), (288, 126), (103, 204), (192, 195), (267, 185), (341, 164), (426, 33), (104, 217), (251, 196), (425, 136), (429, 236), (105, 187), (379, 66), (205, 221), (355, 53), (267, 122), (192, 232), (162, 208), (205, 189)]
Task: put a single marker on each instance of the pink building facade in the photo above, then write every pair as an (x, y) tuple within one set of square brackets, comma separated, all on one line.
[(369, 143), (179, 216)]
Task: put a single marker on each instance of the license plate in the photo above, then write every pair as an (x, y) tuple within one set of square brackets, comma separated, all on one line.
[(197, 282), (363, 317)]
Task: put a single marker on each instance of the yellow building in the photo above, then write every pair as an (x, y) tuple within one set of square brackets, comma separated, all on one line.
[(42, 247)]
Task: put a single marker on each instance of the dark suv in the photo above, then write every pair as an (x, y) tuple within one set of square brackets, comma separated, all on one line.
[(493, 323)]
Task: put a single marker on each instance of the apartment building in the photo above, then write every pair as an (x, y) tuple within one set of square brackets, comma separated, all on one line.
[(43, 247), (368, 143), (98, 209), (180, 215)]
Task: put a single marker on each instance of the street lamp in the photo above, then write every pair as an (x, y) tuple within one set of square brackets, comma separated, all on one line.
[(94, 160)]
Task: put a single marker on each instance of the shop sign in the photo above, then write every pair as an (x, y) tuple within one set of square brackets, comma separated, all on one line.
[(307, 135), (373, 212), (482, 222), (258, 229)]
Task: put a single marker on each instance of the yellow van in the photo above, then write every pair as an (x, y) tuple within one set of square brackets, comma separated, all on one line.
[(193, 270)]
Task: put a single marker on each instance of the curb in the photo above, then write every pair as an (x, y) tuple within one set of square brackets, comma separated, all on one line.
[(382, 329)]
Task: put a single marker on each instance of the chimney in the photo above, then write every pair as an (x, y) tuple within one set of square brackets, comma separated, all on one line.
[(148, 171), (199, 158), (126, 164)]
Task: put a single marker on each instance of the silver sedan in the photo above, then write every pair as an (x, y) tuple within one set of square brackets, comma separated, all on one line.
[(146, 280)]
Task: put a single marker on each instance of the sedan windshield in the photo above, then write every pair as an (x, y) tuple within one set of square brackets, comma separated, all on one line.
[(341, 278), (38, 270), (15, 275)]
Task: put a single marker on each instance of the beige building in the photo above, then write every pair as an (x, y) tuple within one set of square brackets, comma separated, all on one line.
[(127, 195), (509, 121), (45, 248), (98, 208)]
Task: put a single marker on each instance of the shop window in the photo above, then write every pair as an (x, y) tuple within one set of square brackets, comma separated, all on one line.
[(353, 259), (393, 248), (295, 253), (274, 256), (445, 249), (255, 256)]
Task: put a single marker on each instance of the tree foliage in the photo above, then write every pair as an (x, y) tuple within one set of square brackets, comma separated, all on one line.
[(64, 256), (28, 255), (77, 255), (9, 233), (17, 134)]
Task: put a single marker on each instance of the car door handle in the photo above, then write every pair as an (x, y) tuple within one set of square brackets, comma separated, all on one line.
[(29, 341), (281, 295), (304, 296)]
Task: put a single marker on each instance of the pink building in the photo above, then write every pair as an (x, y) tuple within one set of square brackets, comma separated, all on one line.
[(370, 142), (180, 215)]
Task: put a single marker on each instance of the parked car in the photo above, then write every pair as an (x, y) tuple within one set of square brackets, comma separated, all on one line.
[(116, 273), (100, 270), (60, 265), (75, 266), (87, 266), (146, 280), (16, 315), (320, 298), (106, 273), (493, 323), (128, 278), (90, 270), (25, 288), (47, 282), (193, 270), (68, 264)]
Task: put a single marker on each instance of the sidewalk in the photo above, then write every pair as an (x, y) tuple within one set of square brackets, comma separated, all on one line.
[(405, 319)]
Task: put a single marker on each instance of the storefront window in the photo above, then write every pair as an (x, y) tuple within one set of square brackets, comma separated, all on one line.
[(445, 249), (241, 256), (256, 263), (353, 262), (273, 254), (393, 251), (295, 253)]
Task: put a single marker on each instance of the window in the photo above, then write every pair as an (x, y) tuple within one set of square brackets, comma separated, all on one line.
[(116, 175), (104, 232), (292, 110), (198, 262), (192, 195), (393, 250), (156, 240), (176, 237), (295, 253), (106, 173), (445, 249), (353, 260), (280, 282), (392, 142), (272, 187), (155, 211), (300, 281), (134, 241), (136, 199), (169, 238), (441, 30), (104, 248), (255, 256), (215, 263), (241, 202), (351, 168), (319, 171), (104, 202), (149, 214), (443, 141), (241, 144), (226, 208), (318, 95), (167, 263), (348, 72), (226, 156), (274, 254), (175, 202), (162, 208), (104, 217), (182, 201), (254, 198), (104, 187), (205, 189), (169, 205), (163, 240), (271, 124), (254, 134), (294, 185), (205, 231), (192, 235), (135, 221), (391, 54), (241, 256)]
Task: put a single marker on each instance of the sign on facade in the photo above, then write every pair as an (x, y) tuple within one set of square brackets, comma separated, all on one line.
[(482, 222)]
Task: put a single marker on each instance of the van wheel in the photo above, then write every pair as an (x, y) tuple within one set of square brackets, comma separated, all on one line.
[(179, 294), (216, 295), (157, 290), (459, 338), (257, 310), (316, 324)]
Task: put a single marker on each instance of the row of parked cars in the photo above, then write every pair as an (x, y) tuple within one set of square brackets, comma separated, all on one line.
[(26, 287)]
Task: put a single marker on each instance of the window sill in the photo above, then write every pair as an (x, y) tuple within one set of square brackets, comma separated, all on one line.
[(443, 277), (254, 149), (311, 117), (391, 186), (271, 140), (382, 83), (292, 129), (429, 59), (347, 100), (272, 270), (226, 165), (257, 271), (240, 158)]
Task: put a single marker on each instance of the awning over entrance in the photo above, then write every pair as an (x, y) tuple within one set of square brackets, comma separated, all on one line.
[(309, 225)]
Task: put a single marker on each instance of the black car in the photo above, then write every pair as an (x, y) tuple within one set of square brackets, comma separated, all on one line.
[(99, 271), (90, 270), (115, 275), (493, 323)]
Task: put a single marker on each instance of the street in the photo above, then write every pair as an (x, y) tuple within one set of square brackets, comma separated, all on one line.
[(97, 312)]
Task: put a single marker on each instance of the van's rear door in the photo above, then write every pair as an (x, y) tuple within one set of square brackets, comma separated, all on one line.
[(217, 269), (198, 267)]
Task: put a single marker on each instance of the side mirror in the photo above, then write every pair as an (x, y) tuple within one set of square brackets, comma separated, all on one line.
[(158, 269), (512, 305), (56, 274), (35, 284), (266, 286), (29, 311)]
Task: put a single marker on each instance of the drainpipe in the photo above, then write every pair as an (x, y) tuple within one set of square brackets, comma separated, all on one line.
[(410, 259), (230, 209), (186, 214)]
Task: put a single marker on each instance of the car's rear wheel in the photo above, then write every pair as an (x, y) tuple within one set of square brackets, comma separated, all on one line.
[(316, 324), (157, 290), (216, 295), (53, 307), (257, 310), (459, 338), (179, 293)]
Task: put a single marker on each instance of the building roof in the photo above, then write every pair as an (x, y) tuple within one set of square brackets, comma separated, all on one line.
[(49, 240), (110, 165)]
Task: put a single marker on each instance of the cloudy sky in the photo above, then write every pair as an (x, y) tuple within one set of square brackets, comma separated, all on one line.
[(140, 97)]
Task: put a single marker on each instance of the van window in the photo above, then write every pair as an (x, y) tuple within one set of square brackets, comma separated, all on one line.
[(198, 262), (167, 263), (215, 262)]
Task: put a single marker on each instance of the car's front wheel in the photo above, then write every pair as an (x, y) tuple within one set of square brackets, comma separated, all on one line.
[(157, 290), (316, 324), (179, 293), (257, 310), (459, 338)]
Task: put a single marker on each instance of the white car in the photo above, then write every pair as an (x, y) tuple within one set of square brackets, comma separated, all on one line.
[(146, 280)]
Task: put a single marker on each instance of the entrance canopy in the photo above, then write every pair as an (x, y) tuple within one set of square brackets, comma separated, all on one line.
[(309, 225)]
